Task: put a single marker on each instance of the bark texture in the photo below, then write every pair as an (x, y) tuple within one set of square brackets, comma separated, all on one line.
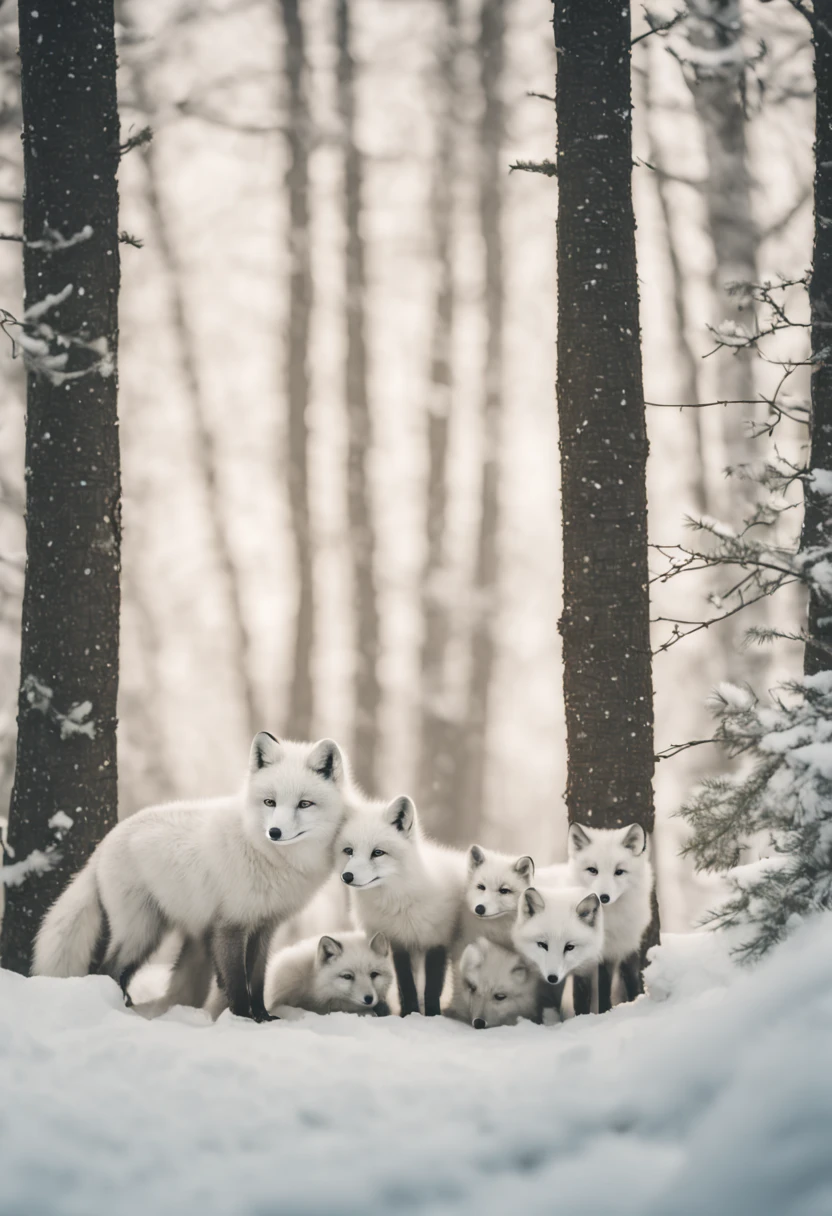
[(603, 439), (66, 747), (359, 506), (298, 131), (439, 730), (817, 522)]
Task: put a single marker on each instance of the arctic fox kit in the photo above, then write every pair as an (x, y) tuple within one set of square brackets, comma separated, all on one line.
[(343, 974), (493, 885), (494, 987), (224, 871), (406, 886), (561, 931), (613, 862)]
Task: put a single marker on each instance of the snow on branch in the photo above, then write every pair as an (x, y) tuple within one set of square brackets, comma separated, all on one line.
[(76, 721), (46, 349)]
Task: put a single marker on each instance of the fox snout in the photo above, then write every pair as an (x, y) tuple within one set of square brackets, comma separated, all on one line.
[(369, 1000), (275, 833), (480, 909), (605, 899), (478, 1023), (552, 979), (347, 877)]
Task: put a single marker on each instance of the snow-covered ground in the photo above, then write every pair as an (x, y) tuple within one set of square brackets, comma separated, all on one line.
[(712, 1095)]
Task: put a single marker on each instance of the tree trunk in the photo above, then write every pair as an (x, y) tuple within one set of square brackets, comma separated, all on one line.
[(362, 527), (603, 438), (206, 445), (66, 746), (439, 729), (301, 697), (492, 174), (817, 522)]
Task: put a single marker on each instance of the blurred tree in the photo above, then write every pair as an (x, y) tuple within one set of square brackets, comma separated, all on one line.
[(367, 700), (439, 729), (298, 134), (469, 798), (603, 438), (65, 786)]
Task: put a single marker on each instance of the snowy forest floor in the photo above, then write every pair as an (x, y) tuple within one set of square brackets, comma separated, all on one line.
[(710, 1095)]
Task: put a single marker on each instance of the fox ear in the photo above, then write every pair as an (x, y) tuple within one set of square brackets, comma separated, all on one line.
[(326, 760), (525, 868), (531, 903), (587, 909), (379, 944), (578, 838), (520, 970), (329, 948), (401, 813), (472, 957), (265, 750), (635, 839), (475, 857)]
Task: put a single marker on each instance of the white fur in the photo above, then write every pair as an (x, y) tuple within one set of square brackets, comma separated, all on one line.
[(560, 930), (494, 883), (413, 890), (623, 874), (344, 972), (194, 865), (494, 987)]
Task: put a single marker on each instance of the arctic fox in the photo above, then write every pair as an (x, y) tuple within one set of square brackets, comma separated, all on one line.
[(343, 974), (493, 885), (494, 987), (561, 931), (406, 886), (613, 862), (222, 870)]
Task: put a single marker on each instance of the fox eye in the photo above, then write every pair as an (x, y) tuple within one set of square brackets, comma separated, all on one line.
[(569, 946), (618, 873), (304, 803), (499, 996), (471, 987), (592, 869), (505, 891), (347, 975), (374, 975), (480, 886), (378, 853), (269, 802), (348, 851), (543, 945)]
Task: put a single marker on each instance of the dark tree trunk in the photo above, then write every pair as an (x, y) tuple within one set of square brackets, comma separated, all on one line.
[(301, 697), (66, 747), (603, 440), (817, 523), (206, 447), (439, 732), (360, 437), (492, 175)]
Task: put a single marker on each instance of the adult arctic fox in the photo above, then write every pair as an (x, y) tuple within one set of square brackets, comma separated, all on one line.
[(223, 869), (343, 974), (406, 886), (494, 987), (613, 862), (493, 885), (561, 931)]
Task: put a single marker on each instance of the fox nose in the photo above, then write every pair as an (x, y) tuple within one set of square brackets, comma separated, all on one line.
[(347, 877), (605, 899), (480, 909), (553, 979), (368, 1000), (479, 1023), (275, 833)]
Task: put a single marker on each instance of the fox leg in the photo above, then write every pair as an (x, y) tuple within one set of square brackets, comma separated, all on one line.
[(436, 959), (604, 987), (257, 951), (550, 996), (408, 996), (190, 980), (582, 993), (632, 977), (229, 950), (136, 929)]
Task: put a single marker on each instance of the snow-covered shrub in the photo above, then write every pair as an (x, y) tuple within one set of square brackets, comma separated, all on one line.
[(786, 794)]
